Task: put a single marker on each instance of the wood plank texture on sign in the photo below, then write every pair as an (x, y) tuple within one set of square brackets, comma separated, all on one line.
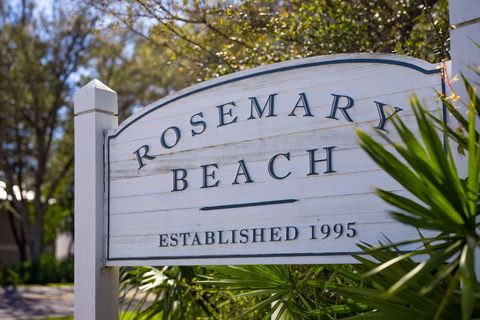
[(206, 177)]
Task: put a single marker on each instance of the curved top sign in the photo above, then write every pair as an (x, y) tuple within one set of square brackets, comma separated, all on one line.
[(260, 166)]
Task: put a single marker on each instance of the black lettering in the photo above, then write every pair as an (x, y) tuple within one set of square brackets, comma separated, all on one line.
[(275, 234), (381, 114), (242, 171), (304, 105), (328, 160), (184, 235), (207, 175), (163, 240), (335, 107), (312, 232), (243, 235), (196, 240), (222, 114), (256, 106), (177, 138), (220, 237), (173, 239), (209, 237), (176, 179), (234, 235), (271, 172), (289, 236), (144, 156), (196, 123), (255, 235)]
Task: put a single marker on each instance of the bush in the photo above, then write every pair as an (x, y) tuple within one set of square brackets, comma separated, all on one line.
[(49, 271), (13, 276)]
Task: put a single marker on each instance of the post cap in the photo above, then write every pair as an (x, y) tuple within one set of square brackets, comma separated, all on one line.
[(95, 96)]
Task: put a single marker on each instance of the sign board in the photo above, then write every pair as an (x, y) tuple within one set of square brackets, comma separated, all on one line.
[(261, 166)]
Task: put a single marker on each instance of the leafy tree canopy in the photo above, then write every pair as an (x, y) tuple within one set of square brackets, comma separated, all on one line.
[(183, 42), (39, 57)]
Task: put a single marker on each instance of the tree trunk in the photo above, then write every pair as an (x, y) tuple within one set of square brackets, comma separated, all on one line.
[(19, 237), (37, 240)]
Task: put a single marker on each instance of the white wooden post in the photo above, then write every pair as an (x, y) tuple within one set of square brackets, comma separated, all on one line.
[(96, 286), (465, 54), (465, 38)]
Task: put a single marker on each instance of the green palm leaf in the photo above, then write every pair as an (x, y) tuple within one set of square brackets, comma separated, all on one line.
[(439, 200)]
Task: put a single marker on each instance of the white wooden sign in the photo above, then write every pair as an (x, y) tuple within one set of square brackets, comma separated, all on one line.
[(261, 166)]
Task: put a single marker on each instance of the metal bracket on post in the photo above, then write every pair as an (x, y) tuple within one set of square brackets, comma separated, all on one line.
[(96, 287)]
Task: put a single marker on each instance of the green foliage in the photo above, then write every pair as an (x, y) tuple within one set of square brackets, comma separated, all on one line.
[(123, 316), (172, 289), (411, 302), (49, 271), (290, 292), (139, 76), (335, 292), (39, 57), (180, 43), (176, 293), (444, 202), (13, 276), (55, 219)]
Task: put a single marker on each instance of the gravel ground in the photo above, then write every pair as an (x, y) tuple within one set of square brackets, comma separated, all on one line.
[(36, 302)]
